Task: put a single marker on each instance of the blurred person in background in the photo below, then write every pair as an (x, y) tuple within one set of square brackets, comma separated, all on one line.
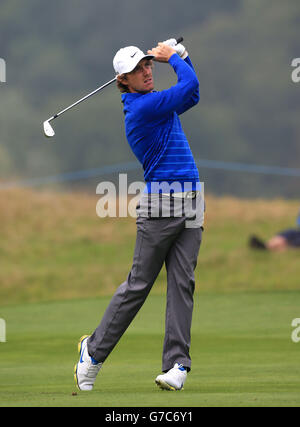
[(282, 241)]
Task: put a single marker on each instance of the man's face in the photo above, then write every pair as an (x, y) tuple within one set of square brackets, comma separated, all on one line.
[(140, 80)]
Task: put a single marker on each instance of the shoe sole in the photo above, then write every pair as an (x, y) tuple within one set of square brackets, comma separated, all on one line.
[(164, 386), (79, 347)]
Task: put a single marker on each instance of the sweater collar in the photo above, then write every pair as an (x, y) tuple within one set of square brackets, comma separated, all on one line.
[(129, 97)]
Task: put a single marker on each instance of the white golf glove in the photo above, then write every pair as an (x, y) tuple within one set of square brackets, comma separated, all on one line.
[(180, 49)]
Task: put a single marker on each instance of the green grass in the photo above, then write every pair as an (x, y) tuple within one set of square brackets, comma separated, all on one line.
[(52, 244), (60, 263), (242, 354)]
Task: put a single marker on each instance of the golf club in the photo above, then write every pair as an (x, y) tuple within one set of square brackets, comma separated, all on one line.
[(48, 129)]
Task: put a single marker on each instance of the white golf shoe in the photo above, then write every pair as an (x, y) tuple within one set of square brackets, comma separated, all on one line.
[(86, 370), (174, 379)]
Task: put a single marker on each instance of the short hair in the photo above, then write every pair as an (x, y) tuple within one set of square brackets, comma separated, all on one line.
[(122, 88)]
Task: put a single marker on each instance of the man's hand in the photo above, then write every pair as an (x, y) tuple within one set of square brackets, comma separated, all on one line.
[(180, 49), (162, 52)]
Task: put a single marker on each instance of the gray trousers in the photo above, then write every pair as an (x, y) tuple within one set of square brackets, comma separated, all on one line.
[(158, 241)]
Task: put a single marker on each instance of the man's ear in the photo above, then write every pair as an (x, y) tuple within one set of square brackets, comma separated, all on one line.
[(122, 78)]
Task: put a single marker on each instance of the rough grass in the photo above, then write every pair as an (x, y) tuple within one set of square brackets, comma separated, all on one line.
[(54, 246)]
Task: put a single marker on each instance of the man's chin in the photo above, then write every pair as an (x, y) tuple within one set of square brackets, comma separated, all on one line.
[(148, 89), (144, 90)]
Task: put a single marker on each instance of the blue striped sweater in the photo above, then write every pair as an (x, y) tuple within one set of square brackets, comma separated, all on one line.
[(154, 131)]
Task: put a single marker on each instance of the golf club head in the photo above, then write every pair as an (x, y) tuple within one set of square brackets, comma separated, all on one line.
[(48, 129)]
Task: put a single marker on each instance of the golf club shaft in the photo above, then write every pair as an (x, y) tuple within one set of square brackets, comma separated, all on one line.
[(83, 99), (179, 40)]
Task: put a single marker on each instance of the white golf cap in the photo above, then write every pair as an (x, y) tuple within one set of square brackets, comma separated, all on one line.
[(127, 58)]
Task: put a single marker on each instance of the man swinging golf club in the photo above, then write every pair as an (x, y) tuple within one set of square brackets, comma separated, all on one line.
[(156, 137)]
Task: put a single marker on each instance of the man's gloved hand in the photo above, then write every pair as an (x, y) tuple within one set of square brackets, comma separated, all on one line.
[(180, 49)]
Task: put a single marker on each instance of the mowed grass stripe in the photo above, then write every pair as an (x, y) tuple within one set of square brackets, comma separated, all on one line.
[(241, 350)]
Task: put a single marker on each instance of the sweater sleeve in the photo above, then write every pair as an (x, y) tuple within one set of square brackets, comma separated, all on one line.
[(157, 104), (194, 99)]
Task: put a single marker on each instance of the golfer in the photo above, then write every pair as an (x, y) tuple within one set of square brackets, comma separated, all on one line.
[(169, 217)]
